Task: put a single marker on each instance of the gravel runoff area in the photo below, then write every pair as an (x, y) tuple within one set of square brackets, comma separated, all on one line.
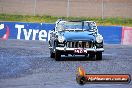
[(26, 64)]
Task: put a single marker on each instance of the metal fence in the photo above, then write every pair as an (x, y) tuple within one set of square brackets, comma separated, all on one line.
[(84, 8)]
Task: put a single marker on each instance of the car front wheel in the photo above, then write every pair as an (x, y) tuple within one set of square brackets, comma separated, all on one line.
[(52, 55), (92, 55), (99, 56), (57, 56)]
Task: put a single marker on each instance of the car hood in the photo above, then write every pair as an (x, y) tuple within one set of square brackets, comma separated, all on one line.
[(73, 36)]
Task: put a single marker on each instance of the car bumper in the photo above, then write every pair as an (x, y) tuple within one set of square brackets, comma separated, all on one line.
[(88, 49)]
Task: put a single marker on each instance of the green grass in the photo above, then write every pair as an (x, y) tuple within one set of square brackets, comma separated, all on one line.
[(51, 19)]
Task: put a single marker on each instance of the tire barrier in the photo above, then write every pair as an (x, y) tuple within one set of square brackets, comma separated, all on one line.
[(40, 31)]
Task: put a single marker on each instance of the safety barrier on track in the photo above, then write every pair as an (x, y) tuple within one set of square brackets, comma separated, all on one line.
[(111, 34), (40, 31), (126, 35)]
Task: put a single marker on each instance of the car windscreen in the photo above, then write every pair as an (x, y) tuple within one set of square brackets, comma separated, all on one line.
[(77, 26)]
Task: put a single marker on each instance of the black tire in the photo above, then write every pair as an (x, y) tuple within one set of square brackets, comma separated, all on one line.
[(52, 55), (57, 56), (99, 56), (92, 56)]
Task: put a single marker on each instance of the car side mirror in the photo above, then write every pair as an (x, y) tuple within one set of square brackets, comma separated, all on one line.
[(96, 31)]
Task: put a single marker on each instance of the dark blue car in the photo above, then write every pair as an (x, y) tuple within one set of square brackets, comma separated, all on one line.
[(76, 38)]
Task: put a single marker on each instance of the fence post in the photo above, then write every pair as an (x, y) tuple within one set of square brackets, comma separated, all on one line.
[(68, 8), (102, 9), (34, 7)]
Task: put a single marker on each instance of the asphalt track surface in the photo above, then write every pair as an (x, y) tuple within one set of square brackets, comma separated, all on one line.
[(26, 64)]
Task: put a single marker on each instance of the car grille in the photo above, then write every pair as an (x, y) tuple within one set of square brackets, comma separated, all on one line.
[(80, 44)]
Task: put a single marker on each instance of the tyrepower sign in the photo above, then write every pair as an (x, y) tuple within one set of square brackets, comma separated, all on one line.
[(26, 31)]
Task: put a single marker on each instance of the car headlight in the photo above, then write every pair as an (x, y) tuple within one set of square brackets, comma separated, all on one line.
[(61, 39), (99, 38)]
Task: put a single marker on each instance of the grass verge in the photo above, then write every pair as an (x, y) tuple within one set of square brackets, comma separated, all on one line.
[(117, 21)]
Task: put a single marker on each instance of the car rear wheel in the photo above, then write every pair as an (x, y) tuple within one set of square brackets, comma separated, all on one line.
[(57, 56), (99, 56)]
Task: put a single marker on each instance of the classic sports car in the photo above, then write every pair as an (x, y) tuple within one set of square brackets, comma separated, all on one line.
[(75, 38)]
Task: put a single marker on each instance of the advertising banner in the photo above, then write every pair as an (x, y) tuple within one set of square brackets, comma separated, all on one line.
[(111, 34), (126, 35), (26, 31), (40, 31)]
